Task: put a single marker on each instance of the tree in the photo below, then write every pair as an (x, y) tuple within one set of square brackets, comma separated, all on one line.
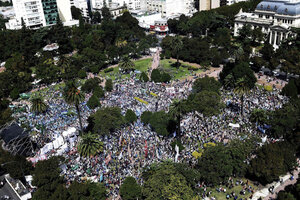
[(109, 85), (146, 116), (107, 119), (176, 110), (76, 12), (267, 51), (241, 88), (98, 91), (130, 190), (89, 145), (291, 89), (177, 47), (90, 85), (38, 105), (155, 75), (258, 116), (165, 182), (207, 102), (96, 17), (271, 161), (130, 116), (242, 70), (126, 65), (93, 102), (144, 77), (73, 95), (87, 190), (206, 84), (46, 176)]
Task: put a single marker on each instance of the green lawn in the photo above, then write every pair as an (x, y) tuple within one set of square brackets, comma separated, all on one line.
[(141, 65), (177, 73), (235, 189)]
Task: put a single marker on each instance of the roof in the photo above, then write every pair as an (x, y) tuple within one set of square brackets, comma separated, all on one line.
[(11, 132), (282, 7)]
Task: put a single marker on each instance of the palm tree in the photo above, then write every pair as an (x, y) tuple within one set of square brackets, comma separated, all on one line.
[(73, 95), (126, 64), (229, 81), (38, 105), (258, 116), (241, 88), (176, 111), (177, 46), (89, 145)]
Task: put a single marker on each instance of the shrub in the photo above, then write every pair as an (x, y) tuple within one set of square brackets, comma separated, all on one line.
[(155, 75), (130, 116), (144, 77), (178, 143), (14, 94), (146, 116), (81, 74), (98, 92), (108, 70), (165, 77), (109, 85), (93, 102)]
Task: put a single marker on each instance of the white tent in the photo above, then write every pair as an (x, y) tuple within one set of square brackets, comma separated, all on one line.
[(58, 142), (234, 125), (69, 132)]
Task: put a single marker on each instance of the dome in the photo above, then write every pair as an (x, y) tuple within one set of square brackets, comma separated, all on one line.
[(289, 9), (270, 5)]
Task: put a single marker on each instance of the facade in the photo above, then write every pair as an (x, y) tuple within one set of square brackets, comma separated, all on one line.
[(82, 5), (50, 11), (274, 17), (169, 8), (39, 13), (230, 2), (208, 4)]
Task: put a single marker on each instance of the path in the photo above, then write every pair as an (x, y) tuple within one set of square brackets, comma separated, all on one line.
[(265, 193), (156, 60)]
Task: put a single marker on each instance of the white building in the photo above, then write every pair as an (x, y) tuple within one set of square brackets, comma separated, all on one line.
[(171, 7), (39, 13), (208, 4), (230, 2), (274, 17), (82, 5)]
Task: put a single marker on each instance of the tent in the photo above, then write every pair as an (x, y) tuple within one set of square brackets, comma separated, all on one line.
[(234, 125)]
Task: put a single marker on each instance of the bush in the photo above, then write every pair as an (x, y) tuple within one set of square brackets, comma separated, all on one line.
[(290, 89), (98, 92), (146, 116), (81, 74), (159, 121), (130, 116), (14, 94), (109, 85), (108, 70), (90, 84), (93, 102), (178, 143), (165, 77), (144, 77), (155, 75)]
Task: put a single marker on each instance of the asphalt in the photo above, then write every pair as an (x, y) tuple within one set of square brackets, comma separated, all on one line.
[(6, 190)]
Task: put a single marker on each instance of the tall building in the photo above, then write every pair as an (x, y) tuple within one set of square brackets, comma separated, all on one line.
[(30, 11), (208, 4), (38, 13), (275, 18), (50, 11), (82, 5), (171, 7)]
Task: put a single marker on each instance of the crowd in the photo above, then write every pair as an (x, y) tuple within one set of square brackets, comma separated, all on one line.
[(131, 148)]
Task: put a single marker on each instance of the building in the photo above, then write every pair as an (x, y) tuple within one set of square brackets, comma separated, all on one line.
[(208, 4), (230, 2), (169, 8), (82, 5), (39, 13), (13, 189), (274, 17)]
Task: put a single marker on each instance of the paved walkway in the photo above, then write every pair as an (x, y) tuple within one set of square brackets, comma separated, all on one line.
[(267, 195), (156, 60)]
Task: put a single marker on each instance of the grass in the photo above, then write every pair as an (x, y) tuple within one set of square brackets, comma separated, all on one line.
[(236, 189), (141, 65), (177, 73)]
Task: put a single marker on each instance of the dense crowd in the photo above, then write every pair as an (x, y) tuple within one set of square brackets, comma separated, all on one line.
[(131, 148)]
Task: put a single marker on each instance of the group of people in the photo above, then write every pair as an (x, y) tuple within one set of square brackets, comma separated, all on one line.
[(128, 150)]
